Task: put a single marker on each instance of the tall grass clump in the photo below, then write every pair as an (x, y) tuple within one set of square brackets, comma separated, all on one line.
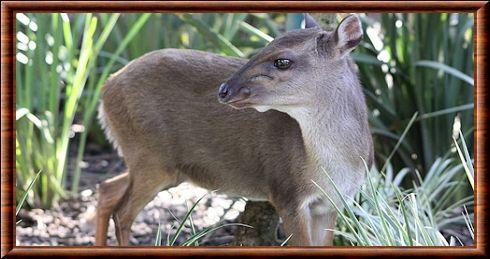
[(385, 213), (406, 67), (56, 80)]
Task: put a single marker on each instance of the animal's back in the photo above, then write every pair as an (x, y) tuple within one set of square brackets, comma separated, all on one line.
[(164, 106)]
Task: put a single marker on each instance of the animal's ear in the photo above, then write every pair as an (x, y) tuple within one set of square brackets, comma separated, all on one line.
[(309, 21), (348, 34)]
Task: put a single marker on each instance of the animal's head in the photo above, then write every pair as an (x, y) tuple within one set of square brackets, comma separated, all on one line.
[(293, 68)]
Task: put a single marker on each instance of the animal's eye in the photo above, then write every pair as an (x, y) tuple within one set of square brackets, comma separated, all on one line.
[(282, 63)]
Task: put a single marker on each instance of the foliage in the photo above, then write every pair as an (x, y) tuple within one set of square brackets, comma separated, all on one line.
[(406, 67), (57, 80), (385, 213), (26, 192)]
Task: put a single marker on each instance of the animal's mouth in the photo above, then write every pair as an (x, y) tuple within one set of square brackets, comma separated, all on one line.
[(243, 98), (240, 103)]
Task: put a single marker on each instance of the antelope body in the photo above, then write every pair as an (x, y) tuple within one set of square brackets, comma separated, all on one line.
[(171, 124)]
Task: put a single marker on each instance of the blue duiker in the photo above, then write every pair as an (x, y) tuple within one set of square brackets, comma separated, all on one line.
[(263, 128)]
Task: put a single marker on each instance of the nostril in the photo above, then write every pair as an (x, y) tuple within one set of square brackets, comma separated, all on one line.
[(223, 93)]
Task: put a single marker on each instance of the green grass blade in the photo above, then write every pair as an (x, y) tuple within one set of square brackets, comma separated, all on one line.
[(467, 165), (286, 240), (158, 237), (254, 31), (196, 237), (447, 69), (402, 137), (26, 193), (217, 39), (187, 215), (446, 111)]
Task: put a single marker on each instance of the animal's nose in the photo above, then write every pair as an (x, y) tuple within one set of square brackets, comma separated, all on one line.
[(224, 92)]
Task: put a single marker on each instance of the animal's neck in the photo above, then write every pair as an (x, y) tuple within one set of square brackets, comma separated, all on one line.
[(328, 132), (323, 127), (319, 134)]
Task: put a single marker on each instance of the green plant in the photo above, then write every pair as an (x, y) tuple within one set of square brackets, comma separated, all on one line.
[(406, 67), (43, 131), (385, 213), (26, 193), (465, 159), (89, 104), (52, 71)]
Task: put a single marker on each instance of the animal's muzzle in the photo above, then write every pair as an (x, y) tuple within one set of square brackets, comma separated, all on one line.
[(228, 94)]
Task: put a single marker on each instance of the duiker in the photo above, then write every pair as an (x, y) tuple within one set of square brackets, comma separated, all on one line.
[(306, 114)]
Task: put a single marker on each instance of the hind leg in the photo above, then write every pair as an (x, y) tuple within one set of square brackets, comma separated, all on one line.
[(144, 185), (110, 193)]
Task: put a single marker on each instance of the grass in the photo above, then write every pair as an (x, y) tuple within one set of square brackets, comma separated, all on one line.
[(465, 159), (407, 67), (43, 131), (57, 81), (385, 213), (26, 193)]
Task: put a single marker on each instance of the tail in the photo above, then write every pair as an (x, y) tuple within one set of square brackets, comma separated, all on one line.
[(103, 121)]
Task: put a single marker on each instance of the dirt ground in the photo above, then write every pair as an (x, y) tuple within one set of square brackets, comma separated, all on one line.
[(72, 222)]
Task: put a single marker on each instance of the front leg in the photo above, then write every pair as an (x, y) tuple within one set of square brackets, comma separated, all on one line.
[(307, 221), (297, 222), (324, 217)]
